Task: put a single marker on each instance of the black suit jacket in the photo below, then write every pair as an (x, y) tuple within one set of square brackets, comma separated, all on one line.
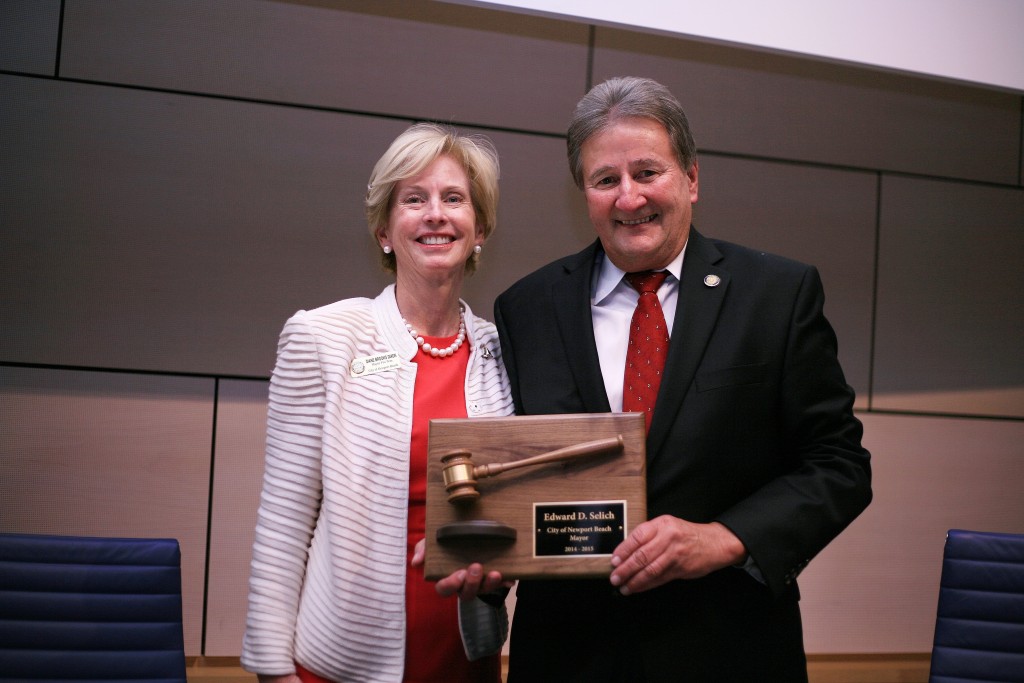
[(753, 427)]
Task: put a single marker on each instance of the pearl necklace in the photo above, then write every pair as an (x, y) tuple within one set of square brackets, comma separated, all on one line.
[(435, 352)]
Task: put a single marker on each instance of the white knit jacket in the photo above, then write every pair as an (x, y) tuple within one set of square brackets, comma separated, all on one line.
[(327, 586)]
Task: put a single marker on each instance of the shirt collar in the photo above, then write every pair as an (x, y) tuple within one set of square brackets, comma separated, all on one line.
[(608, 275)]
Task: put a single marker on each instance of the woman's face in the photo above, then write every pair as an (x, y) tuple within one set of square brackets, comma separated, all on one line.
[(432, 223)]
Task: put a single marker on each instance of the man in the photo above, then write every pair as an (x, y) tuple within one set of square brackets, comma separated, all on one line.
[(754, 455)]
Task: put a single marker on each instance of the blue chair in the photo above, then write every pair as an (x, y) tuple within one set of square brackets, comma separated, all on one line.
[(90, 609), (979, 629)]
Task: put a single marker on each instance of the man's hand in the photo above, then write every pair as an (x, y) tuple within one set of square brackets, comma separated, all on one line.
[(466, 583), (667, 548)]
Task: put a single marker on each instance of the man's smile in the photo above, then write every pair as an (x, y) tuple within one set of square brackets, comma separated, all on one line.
[(640, 221)]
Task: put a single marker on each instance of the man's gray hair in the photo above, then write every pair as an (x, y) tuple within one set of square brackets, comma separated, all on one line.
[(628, 97)]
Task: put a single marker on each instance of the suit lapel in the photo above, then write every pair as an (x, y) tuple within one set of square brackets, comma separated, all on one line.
[(571, 297), (696, 313)]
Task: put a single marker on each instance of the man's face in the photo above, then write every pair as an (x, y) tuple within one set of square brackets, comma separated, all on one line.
[(638, 197)]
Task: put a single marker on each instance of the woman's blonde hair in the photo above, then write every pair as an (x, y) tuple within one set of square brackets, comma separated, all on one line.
[(413, 151)]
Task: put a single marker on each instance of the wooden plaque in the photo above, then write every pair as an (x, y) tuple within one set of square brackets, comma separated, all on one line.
[(566, 517)]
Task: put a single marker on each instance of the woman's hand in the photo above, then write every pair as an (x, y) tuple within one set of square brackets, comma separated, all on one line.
[(470, 582), (467, 583), (419, 552)]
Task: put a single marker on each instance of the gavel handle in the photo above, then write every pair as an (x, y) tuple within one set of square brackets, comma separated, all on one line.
[(599, 447)]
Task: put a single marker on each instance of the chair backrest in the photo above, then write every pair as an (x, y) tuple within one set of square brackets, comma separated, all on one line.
[(90, 609), (979, 628)]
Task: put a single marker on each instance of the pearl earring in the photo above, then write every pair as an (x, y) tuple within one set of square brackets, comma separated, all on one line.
[(387, 249), (477, 249)]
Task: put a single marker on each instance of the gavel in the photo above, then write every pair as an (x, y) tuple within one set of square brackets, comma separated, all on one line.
[(460, 475)]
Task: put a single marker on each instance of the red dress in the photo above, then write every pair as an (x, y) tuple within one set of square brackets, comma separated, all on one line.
[(433, 647)]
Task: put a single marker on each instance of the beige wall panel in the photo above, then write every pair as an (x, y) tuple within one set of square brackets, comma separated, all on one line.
[(875, 588), (541, 216), (237, 477), (28, 35), (819, 216), (410, 59), (950, 299), (163, 232), (105, 454), (755, 103)]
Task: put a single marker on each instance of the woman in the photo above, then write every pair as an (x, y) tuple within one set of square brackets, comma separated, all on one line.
[(332, 593)]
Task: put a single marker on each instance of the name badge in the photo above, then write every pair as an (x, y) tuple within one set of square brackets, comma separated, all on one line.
[(369, 365)]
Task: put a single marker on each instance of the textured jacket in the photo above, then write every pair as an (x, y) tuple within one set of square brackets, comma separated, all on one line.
[(327, 586)]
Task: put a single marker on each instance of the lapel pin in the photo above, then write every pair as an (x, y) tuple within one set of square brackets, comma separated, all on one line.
[(712, 280), (485, 351)]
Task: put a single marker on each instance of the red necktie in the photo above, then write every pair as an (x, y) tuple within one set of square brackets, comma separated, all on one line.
[(648, 346)]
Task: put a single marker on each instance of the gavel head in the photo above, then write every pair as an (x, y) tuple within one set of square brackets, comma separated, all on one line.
[(459, 480)]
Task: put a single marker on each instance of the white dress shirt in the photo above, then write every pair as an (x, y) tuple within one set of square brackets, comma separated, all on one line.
[(612, 302)]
